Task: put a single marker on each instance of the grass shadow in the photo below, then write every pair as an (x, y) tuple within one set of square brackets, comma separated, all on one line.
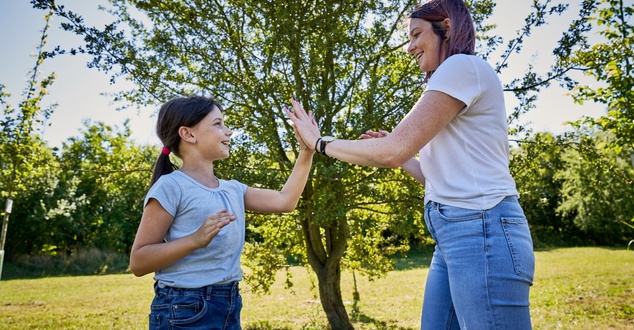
[(416, 257), (359, 317)]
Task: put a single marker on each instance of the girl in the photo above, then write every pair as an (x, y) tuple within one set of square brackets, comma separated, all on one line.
[(193, 225)]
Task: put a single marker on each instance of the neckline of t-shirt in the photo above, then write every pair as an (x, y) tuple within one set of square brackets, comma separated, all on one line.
[(200, 184)]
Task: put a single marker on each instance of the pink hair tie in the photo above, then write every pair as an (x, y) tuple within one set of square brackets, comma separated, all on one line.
[(166, 150)]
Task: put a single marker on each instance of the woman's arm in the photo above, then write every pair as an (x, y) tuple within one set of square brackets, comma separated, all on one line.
[(149, 251), (411, 166), (433, 111)]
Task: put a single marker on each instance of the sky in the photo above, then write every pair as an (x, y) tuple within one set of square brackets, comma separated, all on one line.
[(80, 91)]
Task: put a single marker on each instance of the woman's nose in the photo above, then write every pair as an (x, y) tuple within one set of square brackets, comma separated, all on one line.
[(410, 48)]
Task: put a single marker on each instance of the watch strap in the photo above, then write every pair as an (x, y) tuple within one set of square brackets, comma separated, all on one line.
[(323, 147), (317, 143)]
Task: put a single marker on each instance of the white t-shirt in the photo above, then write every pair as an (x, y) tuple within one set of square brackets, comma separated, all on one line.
[(466, 164)]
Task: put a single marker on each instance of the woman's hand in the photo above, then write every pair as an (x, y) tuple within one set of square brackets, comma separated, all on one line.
[(304, 124), (374, 134)]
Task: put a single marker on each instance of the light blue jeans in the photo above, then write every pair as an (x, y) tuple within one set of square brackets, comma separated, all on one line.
[(481, 269), (213, 307)]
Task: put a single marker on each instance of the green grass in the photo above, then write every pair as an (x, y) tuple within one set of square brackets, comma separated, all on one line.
[(575, 288)]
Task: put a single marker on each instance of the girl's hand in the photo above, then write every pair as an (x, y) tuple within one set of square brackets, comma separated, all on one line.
[(302, 145), (211, 227), (373, 134), (304, 124)]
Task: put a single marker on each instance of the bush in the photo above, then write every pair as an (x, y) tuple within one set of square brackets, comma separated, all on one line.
[(91, 261)]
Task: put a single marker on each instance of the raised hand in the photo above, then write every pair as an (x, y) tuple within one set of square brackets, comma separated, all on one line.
[(304, 123)]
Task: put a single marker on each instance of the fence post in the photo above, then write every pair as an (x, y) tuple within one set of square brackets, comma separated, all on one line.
[(5, 225)]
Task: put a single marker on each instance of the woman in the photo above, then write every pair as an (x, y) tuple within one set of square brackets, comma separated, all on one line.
[(483, 264), (193, 224)]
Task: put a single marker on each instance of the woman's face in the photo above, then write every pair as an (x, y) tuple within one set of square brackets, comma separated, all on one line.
[(424, 44)]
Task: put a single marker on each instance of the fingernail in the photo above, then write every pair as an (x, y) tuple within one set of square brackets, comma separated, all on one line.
[(294, 98)]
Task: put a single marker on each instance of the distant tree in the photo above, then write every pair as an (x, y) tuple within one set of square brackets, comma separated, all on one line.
[(597, 188), (104, 178), (24, 158), (535, 164), (611, 63)]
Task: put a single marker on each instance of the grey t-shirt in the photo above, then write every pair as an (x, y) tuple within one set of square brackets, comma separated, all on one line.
[(190, 203)]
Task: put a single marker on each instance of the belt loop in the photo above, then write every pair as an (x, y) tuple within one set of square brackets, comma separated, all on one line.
[(208, 290)]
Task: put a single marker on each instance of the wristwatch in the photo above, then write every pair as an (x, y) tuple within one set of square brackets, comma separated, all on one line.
[(324, 142)]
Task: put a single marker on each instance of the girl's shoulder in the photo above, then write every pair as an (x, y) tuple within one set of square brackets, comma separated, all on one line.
[(233, 184)]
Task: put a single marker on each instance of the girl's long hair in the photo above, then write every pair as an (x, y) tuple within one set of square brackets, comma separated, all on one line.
[(174, 114)]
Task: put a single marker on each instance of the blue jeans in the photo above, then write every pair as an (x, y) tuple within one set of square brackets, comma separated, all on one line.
[(209, 307), (481, 269)]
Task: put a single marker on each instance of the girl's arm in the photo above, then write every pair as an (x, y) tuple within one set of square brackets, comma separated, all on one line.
[(149, 251), (285, 200)]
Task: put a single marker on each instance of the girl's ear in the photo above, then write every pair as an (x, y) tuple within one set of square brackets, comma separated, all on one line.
[(186, 134)]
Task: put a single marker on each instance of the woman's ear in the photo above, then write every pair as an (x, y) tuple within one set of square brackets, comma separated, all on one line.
[(186, 134), (446, 23)]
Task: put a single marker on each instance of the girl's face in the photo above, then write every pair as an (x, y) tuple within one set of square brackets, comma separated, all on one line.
[(212, 135), (424, 44)]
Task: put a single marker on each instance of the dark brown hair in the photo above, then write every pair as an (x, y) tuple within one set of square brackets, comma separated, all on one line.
[(175, 113)]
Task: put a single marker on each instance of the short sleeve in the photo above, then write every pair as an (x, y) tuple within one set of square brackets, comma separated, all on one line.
[(167, 192), (457, 77)]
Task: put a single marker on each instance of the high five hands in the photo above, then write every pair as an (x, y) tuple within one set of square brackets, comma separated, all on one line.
[(304, 123), (306, 127)]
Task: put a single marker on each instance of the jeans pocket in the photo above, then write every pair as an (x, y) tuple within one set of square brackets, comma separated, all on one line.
[(188, 310), (158, 312), (518, 238), (457, 214)]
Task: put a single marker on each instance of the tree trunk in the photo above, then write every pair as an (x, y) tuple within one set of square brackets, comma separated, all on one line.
[(330, 295), (325, 250)]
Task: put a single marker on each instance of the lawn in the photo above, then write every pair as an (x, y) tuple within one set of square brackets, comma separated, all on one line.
[(575, 288)]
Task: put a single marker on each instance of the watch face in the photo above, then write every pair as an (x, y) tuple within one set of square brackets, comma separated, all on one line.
[(327, 138)]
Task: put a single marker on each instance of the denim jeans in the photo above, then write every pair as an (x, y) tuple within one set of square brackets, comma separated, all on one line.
[(481, 269), (210, 307)]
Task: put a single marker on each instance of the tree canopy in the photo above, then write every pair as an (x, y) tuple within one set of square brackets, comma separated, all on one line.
[(345, 61)]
